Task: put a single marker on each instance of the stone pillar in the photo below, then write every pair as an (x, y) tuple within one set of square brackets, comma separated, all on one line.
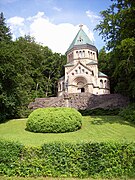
[(66, 98)]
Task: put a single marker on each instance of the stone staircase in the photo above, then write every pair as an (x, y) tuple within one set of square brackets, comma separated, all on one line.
[(82, 101)]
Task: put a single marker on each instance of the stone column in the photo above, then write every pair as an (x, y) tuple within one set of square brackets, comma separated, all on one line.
[(66, 98)]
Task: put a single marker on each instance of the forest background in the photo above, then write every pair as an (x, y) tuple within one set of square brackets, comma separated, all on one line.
[(29, 70)]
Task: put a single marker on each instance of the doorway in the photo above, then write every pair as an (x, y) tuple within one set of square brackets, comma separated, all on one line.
[(82, 90)]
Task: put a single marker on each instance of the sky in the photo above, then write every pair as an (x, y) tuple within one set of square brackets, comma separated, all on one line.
[(54, 23)]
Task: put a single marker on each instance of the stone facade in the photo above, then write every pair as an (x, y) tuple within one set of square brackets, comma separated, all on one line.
[(81, 71)]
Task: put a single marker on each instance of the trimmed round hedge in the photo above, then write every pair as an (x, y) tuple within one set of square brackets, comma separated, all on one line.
[(54, 120)]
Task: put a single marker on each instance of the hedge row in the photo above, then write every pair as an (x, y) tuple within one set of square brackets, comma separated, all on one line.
[(128, 113), (102, 160), (99, 112)]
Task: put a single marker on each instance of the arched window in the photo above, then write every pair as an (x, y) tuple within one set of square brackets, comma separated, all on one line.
[(93, 55), (89, 53), (60, 86), (105, 84), (83, 53), (101, 83), (79, 69), (63, 85), (77, 54), (76, 71), (80, 54)]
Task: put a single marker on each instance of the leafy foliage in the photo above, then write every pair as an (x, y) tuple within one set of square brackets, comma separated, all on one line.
[(27, 71), (10, 153), (103, 61), (101, 160), (119, 37), (128, 113), (5, 34), (112, 27), (106, 65), (125, 67), (99, 112), (56, 120)]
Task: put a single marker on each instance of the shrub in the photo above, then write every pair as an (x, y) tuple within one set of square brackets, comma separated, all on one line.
[(128, 113), (99, 112), (54, 120), (10, 153), (101, 160)]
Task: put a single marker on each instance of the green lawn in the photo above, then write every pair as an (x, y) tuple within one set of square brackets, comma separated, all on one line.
[(95, 129)]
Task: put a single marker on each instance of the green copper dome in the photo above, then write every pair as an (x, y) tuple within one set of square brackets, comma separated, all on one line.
[(80, 39)]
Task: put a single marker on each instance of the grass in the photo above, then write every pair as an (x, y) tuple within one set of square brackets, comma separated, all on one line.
[(94, 129)]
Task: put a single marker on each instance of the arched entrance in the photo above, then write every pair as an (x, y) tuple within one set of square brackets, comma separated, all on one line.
[(80, 83)]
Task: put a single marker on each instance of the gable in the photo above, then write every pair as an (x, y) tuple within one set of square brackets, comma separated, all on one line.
[(79, 68)]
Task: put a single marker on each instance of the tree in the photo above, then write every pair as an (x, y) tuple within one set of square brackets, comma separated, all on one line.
[(5, 34), (12, 79), (117, 22), (107, 66), (103, 61), (125, 67), (7, 82), (45, 67), (53, 70), (27, 70), (118, 31)]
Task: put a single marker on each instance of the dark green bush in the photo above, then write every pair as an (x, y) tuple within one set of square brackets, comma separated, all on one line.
[(128, 113), (54, 120), (99, 112), (102, 160)]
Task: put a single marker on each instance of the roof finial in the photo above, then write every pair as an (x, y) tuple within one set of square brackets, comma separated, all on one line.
[(81, 25)]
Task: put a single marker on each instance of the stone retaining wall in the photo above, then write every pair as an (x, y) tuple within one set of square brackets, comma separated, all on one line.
[(82, 101)]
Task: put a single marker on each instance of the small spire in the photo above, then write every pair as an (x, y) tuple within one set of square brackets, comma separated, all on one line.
[(81, 25)]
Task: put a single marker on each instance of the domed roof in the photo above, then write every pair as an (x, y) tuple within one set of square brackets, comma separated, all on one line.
[(80, 39)]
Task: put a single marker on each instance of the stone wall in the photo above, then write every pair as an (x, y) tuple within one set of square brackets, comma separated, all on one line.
[(82, 101)]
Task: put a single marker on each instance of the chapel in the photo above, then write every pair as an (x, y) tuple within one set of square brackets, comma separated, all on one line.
[(81, 71)]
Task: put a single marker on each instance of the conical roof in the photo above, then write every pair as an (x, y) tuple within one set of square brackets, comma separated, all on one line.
[(80, 39)]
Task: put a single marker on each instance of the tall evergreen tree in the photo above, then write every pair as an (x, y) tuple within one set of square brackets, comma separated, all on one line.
[(5, 34)]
